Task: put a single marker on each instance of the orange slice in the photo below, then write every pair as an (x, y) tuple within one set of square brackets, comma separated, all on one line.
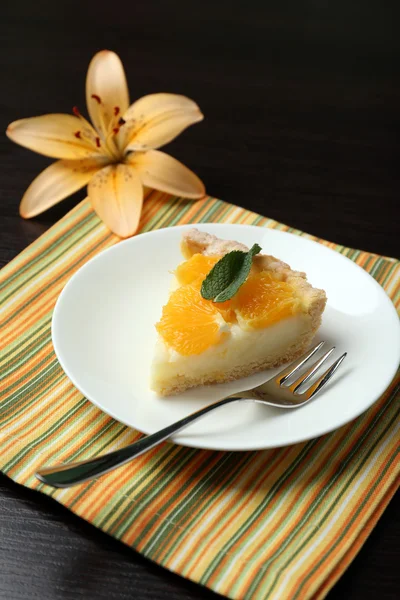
[(263, 300), (197, 267), (190, 324)]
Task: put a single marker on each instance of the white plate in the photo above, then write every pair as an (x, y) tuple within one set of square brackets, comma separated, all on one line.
[(103, 334)]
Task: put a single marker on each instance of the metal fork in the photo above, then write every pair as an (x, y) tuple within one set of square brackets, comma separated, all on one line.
[(280, 391)]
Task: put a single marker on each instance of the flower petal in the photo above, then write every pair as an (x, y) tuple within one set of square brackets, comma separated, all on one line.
[(55, 183), (52, 135), (106, 90), (163, 172), (157, 119), (116, 194)]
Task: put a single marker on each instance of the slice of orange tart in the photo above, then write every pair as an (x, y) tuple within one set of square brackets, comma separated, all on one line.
[(269, 321)]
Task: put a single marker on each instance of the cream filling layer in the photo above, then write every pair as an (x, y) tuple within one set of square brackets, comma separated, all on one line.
[(239, 348)]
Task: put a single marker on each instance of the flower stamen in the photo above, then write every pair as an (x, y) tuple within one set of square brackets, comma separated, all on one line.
[(104, 128), (113, 127), (86, 134)]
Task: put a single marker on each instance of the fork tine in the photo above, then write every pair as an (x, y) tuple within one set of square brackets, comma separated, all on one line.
[(281, 377), (310, 372), (325, 377)]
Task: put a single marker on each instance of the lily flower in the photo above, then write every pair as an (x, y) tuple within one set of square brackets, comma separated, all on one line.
[(116, 154)]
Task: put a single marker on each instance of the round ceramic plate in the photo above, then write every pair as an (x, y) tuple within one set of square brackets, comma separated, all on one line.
[(104, 335)]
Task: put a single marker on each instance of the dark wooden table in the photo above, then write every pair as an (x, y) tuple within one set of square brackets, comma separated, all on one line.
[(302, 124)]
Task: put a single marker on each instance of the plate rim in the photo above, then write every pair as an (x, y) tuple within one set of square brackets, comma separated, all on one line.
[(209, 446)]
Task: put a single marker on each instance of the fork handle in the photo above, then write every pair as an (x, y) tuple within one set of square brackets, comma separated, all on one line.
[(63, 476)]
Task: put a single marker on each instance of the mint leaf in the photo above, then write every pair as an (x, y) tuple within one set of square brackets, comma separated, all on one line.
[(226, 277)]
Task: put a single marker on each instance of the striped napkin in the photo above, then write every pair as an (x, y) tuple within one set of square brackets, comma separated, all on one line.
[(274, 524)]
